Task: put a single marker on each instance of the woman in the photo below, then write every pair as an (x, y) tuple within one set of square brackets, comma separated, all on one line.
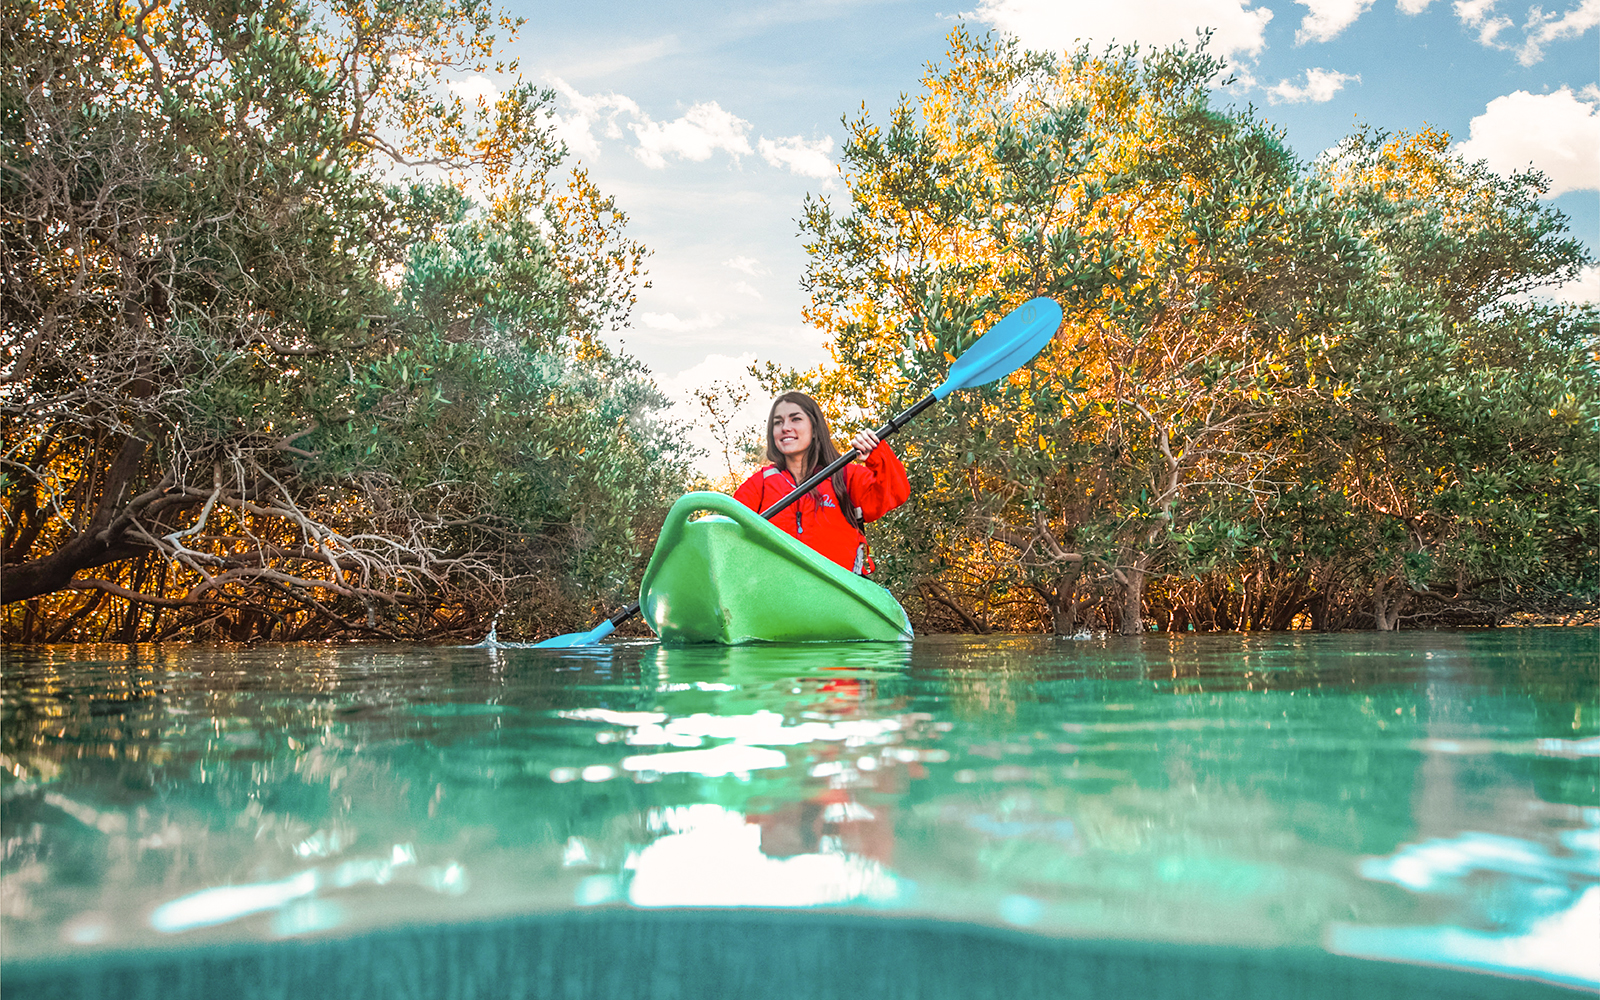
[(829, 518)]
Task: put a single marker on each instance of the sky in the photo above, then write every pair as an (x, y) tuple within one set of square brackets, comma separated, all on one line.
[(711, 123)]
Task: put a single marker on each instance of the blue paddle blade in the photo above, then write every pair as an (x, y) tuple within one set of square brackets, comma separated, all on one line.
[(1009, 344), (588, 638)]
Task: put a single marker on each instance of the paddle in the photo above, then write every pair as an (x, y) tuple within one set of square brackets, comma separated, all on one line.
[(1007, 346)]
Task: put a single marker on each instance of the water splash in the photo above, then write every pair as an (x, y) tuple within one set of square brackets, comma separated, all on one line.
[(492, 640)]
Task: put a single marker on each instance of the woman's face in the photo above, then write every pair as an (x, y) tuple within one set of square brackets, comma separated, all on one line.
[(791, 429)]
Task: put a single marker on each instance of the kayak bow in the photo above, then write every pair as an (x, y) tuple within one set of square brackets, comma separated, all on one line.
[(735, 578)]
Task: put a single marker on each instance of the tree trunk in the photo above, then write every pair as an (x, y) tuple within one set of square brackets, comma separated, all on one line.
[(1064, 617), (1132, 622), (135, 611), (1389, 598), (64, 629), (87, 550), (1288, 603), (1063, 602), (939, 595), (1132, 605)]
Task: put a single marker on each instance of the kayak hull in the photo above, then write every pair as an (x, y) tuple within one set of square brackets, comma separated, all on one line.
[(734, 578)]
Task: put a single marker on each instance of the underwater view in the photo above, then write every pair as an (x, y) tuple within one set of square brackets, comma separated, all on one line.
[(1426, 799)]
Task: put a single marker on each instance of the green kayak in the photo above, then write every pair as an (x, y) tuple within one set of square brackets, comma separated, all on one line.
[(734, 578)]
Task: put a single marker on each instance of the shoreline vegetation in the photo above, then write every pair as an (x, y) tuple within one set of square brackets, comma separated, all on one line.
[(269, 373)]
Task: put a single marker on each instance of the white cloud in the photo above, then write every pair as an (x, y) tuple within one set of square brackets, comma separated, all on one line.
[(595, 107), (583, 120), (808, 159), (475, 88), (1585, 288), (1062, 24), (1557, 133), (701, 131), (671, 323), (1413, 7), (709, 369), (1320, 86), (588, 113), (749, 265), (1480, 16), (1244, 81), (745, 288), (575, 132), (1327, 18), (1545, 28), (1538, 31)]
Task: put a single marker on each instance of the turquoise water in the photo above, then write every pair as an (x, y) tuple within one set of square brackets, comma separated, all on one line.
[(1426, 798)]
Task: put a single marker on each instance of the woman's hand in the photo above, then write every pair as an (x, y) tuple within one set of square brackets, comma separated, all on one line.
[(864, 442)]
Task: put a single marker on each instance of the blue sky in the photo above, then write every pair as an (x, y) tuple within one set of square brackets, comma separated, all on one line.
[(711, 122)]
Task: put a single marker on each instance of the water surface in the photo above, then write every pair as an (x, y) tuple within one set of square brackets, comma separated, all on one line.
[(1424, 797)]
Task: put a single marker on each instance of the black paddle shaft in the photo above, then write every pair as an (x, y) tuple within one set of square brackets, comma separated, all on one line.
[(894, 424)]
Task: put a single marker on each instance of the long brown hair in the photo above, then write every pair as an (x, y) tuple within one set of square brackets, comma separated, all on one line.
[(818, 455)]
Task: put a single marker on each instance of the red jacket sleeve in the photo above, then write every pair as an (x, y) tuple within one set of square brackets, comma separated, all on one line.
[(879, 485), (749, 491)]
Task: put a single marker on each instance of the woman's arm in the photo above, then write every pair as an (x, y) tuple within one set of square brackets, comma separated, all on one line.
[(879, 484), (749, 491)]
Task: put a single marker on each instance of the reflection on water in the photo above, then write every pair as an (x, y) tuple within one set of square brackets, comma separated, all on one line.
[(1546, 917), (1420, 797)]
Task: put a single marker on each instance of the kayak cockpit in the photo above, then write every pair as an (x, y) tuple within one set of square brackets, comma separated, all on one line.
[(735, 578)]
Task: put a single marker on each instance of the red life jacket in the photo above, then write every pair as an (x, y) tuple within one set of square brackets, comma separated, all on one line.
[(876, 487)]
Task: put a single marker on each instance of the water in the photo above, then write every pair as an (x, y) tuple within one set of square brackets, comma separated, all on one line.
[(1425, 798)]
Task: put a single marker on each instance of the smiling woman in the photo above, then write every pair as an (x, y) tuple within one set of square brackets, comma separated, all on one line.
[(830, 517)]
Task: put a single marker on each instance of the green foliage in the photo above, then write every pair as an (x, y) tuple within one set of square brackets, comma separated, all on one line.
[(269, 390), (1279, 390)]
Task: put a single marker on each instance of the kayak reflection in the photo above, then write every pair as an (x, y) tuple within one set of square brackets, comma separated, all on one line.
[(834, 819), (818, 831)]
